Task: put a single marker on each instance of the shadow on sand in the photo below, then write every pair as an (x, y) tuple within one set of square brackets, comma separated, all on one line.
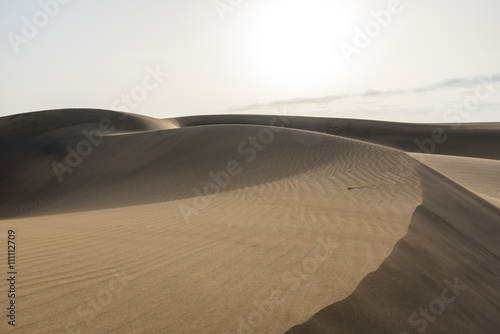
[(453, 237)]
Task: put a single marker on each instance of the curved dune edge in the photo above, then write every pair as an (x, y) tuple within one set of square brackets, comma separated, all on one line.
[(121, 210), (452, 242), (463, 139)]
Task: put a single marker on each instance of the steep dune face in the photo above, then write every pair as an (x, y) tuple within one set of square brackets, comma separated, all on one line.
[(442, 277), (250, 227)]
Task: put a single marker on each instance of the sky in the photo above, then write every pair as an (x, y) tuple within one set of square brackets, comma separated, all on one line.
[(397, 60)]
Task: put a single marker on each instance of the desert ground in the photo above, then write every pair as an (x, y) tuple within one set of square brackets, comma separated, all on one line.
[(248, 224)]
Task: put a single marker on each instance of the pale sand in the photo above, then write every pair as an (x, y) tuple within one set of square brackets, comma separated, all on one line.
[(482, 176), (394, 228)]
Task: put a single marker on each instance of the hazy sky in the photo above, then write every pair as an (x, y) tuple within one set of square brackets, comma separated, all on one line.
[(407, 60)]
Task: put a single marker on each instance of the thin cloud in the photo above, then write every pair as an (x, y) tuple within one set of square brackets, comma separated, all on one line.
[(447, 83)]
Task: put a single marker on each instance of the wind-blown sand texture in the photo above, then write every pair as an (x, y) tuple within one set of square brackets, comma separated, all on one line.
[(320, 226)]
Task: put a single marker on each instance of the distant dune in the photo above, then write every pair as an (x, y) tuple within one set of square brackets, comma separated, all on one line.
[(250, 224)]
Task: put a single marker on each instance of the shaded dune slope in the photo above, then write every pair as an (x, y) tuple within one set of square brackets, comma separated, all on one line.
[(143, 166), (461, 139), (30, 143), (71, 121)]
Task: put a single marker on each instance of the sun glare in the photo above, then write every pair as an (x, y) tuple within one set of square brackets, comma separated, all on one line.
[(293, 42)]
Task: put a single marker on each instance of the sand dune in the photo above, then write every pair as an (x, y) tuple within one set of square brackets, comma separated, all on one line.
[(249, 224), (452, 242), (471, 140), (482, 176)]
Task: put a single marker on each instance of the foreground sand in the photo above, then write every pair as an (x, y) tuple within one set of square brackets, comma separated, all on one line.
[(319, 226)]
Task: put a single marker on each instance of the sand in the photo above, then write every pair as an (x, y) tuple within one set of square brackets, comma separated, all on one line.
[(312, 225)]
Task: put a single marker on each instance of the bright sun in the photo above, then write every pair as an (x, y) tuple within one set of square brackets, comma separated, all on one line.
[(293, 42)]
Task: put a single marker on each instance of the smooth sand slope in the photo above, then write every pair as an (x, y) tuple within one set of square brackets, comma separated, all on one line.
[(303, 231), (482, 176)]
